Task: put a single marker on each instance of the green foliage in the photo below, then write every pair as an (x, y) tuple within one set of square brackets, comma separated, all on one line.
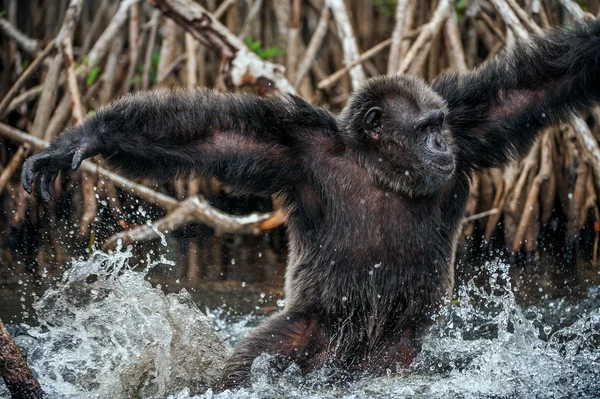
[(155, 58), (386, 7), (92, 75), (460, 8), (91, 113), (264, 53), (2, 13), (139, 68), (583, 4)]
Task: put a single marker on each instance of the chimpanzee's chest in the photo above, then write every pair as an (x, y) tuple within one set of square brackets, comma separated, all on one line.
[(377, 258)]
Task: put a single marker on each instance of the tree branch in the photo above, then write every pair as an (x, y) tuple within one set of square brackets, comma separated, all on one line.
[(351, 52), (31, 46), (193, 209), (427, 34), (24, 76), (240, 66), (14, 371)]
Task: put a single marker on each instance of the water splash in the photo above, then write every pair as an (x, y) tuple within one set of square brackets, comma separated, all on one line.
[(487, 347), (120, 337), (106, 332)]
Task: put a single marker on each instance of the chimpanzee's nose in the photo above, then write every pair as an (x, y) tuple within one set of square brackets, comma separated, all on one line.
[(436, 143)]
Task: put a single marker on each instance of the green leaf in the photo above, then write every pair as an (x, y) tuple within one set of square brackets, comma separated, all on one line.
[(2, 13), (135, 80), (249, 42), (253, 45), (91, 113), (155, 58), (583, 4), (92, 75), (386, 7), (460, 9), (256, 47), (461, 5)]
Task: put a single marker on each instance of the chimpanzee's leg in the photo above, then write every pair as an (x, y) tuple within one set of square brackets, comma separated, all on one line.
[(299, 338), (396, 353)]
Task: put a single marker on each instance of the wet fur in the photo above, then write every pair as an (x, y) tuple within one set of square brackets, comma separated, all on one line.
[(371, 246)]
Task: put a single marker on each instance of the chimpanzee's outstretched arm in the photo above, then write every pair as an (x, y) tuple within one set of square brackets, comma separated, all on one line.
[(251, 143), (496, 111)]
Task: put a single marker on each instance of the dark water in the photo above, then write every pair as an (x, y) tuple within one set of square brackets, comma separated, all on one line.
[(525, 329)]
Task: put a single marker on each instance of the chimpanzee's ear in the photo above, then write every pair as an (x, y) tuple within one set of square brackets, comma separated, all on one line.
[(373, 122)]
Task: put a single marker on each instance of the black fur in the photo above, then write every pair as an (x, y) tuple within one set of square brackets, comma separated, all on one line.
[(375, 199)]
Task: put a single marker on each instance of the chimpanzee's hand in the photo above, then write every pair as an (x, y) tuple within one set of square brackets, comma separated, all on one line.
[(70, 149)]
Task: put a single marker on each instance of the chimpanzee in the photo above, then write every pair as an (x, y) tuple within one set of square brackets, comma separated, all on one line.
[(375, 196)]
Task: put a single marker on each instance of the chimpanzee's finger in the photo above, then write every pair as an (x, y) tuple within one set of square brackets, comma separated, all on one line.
[(41, 181), (27, 174), (51, 180), (77, 158), (32, 167)]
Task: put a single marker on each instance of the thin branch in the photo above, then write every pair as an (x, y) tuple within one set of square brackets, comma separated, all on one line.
[(527, 20), (510, 18), (351, 52), (223, 7), (494, 28), (24, 97), (61, 114), (533, 195), (376, 49), (574, 9), (191, 70), (480, 215), (334, 77), (65, 40), (254, 10), (24, 76), (240, 66), (397, 36), (150, 49), (114, 27), (92, 33), (168, 70), (48, 97), (293, 38), (454, 47), (31, 46), (313, 47), (134, 44), (12, 166), (193, 209), (428, 33), (590, 146)]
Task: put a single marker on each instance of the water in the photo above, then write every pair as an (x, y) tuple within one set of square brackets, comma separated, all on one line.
[(105, 331)]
